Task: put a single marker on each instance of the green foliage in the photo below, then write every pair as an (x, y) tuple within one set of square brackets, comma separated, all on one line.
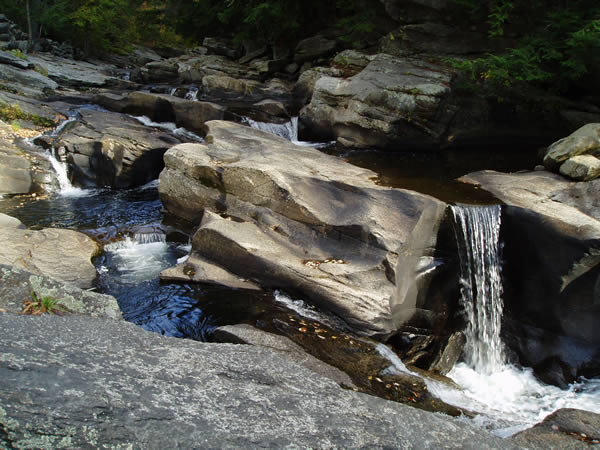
[(357, 21), (559, 45), (38, 306), (19, 54), (13, 113)]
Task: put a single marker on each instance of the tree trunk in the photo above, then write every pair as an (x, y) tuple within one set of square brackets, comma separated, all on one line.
[(29, 27)]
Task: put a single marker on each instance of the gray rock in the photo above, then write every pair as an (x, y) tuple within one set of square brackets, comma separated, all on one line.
[(551, 235), (222, 47), (159, 71), (392, 100), (71, 73), (17, 286), (61, 254), (247, 334), (563, 429), (164, 108), (112, 149), (581, 168), (10, 222), (450, 354), (15, 169), (314, 48), (194, 69), (12, 60), (86, 382), (143, 55), (305, 85), (584, 141), (319, 227), (28, 82)]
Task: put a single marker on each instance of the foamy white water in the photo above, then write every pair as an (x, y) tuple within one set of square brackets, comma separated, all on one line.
[(308, 311), (140, 258), (508, 398), (66, 188), (171, 127), (287, 130)]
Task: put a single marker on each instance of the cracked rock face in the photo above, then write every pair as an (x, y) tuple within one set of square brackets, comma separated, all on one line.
[(81, 382), (294, 218)]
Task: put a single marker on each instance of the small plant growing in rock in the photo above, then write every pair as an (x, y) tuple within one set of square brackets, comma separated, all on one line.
[(41, 70), (19, 54), (38, 306)]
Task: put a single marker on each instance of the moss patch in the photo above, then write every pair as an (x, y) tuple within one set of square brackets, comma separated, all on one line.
[(10, 113)]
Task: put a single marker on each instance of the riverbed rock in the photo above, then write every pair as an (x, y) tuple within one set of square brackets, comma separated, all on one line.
[(194, 69), (164, 108), (64, 255), (28, 82), (82, 382), (15, 169), (249, 335), (314, 48), (318, 227), (18, 285), (12, 60), (162, 71), (551, 274), (581, 168), (584, 141), (392, 100), (565, 428), (110, 149)]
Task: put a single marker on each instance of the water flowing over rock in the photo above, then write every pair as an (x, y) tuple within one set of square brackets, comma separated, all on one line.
[(551, 235), (108, 149), (319, 227)]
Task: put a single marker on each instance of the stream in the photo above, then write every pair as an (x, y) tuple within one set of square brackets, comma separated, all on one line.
[(140, 241)]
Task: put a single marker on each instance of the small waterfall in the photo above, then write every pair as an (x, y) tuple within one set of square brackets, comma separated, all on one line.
[(477, 234), (192, 94), (288, 130)]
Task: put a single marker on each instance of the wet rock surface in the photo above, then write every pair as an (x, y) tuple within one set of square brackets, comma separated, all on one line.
[(78, 382), (551, 235)]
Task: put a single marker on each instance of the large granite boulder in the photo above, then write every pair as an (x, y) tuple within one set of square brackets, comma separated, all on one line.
[(392, 100), (28, 82), (18, 286), (578, 155), (15, 169), (294, 218), (163, 108), (64, 255), (109, 149), (551, 275), (86, 382), (194, 69)]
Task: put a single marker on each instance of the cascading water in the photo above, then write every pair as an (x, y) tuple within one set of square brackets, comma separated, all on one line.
[(192, 94), (477, 234), (287, 130), (508, 398)]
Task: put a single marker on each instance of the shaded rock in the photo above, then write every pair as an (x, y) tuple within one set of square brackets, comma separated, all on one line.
[(391, 101), (563, 429), (304, 87), (164, 108), (551, 236), (200, 270), (64, 255), (247, 334), (17, 286), (159, 71), (581, 167), (194, 69), (143, 55), (109, 149), (584, 141), (319, 227), (222, 47), (450, 354), (314, 48), (71, 379)]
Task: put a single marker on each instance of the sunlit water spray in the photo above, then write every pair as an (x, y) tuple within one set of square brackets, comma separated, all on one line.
[(508, 398), (287, 130)]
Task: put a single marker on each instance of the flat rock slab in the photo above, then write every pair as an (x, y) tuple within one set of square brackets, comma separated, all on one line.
[(85, 382), (571, 205), (566, 428), (249, 335), (64, 255), (74, 73), (16, 287)]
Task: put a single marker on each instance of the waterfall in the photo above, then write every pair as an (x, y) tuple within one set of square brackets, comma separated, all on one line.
[(287, 130), (192, 94), (62, 176), (477, 234)]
